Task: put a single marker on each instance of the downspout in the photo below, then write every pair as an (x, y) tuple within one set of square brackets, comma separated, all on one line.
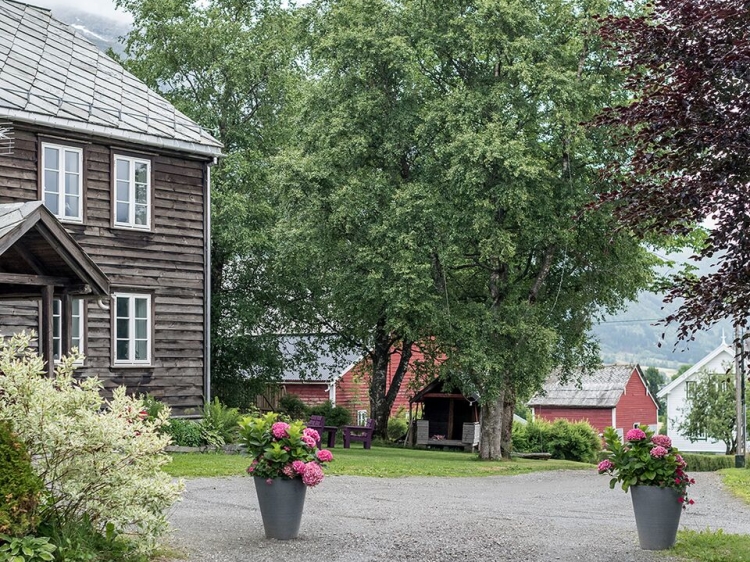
[(207, 287)]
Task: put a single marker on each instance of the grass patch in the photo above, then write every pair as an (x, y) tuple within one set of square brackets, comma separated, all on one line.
[(737, 481), (710, 546), (386, 462)]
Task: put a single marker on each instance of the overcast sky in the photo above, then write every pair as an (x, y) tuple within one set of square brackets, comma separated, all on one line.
[(99, 7)]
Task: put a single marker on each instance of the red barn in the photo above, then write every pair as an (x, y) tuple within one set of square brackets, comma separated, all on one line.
[(614, 395), (316, 374)]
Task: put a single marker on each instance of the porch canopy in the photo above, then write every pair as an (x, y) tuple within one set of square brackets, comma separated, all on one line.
[(40, 261)]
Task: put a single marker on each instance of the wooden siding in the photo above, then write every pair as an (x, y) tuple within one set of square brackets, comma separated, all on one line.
[(166, 262), (636, 405), (599, 418), (311, 394)]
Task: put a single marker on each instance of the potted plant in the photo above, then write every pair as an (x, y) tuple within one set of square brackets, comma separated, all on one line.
[(654, 472), (285, 462)]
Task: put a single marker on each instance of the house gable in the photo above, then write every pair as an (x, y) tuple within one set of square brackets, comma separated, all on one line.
[(711, 362)]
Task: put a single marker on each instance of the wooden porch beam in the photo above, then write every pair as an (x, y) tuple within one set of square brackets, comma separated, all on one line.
[(38, 280), (45, 341)]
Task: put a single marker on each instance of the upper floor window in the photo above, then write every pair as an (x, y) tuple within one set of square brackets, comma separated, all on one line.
[(76, 331), (132, 329), (132, 192), (62, 181)]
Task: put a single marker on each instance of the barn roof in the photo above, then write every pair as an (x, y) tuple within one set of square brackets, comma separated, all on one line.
[(52, 76), (600, 389), (310, 358)]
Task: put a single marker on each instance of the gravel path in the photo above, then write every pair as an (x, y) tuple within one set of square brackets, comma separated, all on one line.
[(561, 516)]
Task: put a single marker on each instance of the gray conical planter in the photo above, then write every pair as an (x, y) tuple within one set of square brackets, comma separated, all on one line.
[(281, 502), (657, 516)]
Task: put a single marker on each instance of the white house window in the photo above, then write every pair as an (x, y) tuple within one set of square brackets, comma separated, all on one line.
[(77, 329), (132, 329), (62, 181), (132, 193)]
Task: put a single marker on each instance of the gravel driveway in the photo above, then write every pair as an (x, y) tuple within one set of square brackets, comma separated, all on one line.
[(544, 516)]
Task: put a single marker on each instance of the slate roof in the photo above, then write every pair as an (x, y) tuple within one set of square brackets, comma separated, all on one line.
[(601, 389), (312, 360), (51, 75)]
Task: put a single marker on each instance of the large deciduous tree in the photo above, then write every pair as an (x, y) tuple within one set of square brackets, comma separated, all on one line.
[(685, 140), (227, 64)]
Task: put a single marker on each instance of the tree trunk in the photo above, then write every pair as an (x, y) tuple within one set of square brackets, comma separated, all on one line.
[(490, 438), (380, 355), (509, 408)]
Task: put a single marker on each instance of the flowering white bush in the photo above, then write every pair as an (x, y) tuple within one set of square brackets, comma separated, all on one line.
[(97, 457)]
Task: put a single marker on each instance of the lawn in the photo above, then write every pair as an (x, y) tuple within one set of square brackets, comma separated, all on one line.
[(386, 462)]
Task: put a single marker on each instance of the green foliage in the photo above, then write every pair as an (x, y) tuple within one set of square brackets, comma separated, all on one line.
[(99, 459), (185, 433), (655, 380), (708, 463), (26, 549), (20, 487), (220, 422), (153, 406), (334, 415), (282, 450), (644, 460), (710, 410), (397, 428), (576, 441), (293, 406), (80, 541)]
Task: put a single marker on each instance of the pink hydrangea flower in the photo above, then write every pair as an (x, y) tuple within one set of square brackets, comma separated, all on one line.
[(289, 471), (299, 467), (312, 433), (279, 430), (605, 465), (635, 434), (309, 441), (662, 440), (659, 452), (324, 455), (313, 474), (680, 461), (251, 468)]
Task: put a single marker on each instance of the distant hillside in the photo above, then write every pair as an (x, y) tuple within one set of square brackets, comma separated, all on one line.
[(103, 32)]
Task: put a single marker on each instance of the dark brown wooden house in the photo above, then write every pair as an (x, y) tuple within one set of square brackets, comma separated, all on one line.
[(104, 213)]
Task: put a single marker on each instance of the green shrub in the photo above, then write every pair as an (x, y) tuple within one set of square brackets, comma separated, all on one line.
[(564, 440), (220, 424), (20, 488), (707, 463), (26, 549), (335, 415), (184, 433), (153, 407), (80, 541), (397, 428), (293, 406), (101, 460)]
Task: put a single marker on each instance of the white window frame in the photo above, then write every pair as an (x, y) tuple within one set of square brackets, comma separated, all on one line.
[(131, 339), (77, 310), (62, 173), (130, 223)]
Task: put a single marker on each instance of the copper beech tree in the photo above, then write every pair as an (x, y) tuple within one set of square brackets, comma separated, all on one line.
[(685, 140)]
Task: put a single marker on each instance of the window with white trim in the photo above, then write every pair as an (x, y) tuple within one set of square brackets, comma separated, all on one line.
[(77, 327), (62, 181), (132, 197), (132, 329)]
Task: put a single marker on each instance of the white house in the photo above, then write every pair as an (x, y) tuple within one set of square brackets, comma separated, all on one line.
[(720, 360)]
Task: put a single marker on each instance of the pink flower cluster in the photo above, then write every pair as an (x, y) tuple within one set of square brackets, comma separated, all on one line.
[(635, 434), (605, 466), (313, 474), (279, 430), (662, 441), (658, 452), (324, 455), (299, 467)]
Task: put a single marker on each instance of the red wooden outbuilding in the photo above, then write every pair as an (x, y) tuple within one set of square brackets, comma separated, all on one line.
[(614, 395)]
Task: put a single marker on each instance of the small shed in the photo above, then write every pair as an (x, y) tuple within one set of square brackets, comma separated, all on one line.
[(449, 418), (613, 395)]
